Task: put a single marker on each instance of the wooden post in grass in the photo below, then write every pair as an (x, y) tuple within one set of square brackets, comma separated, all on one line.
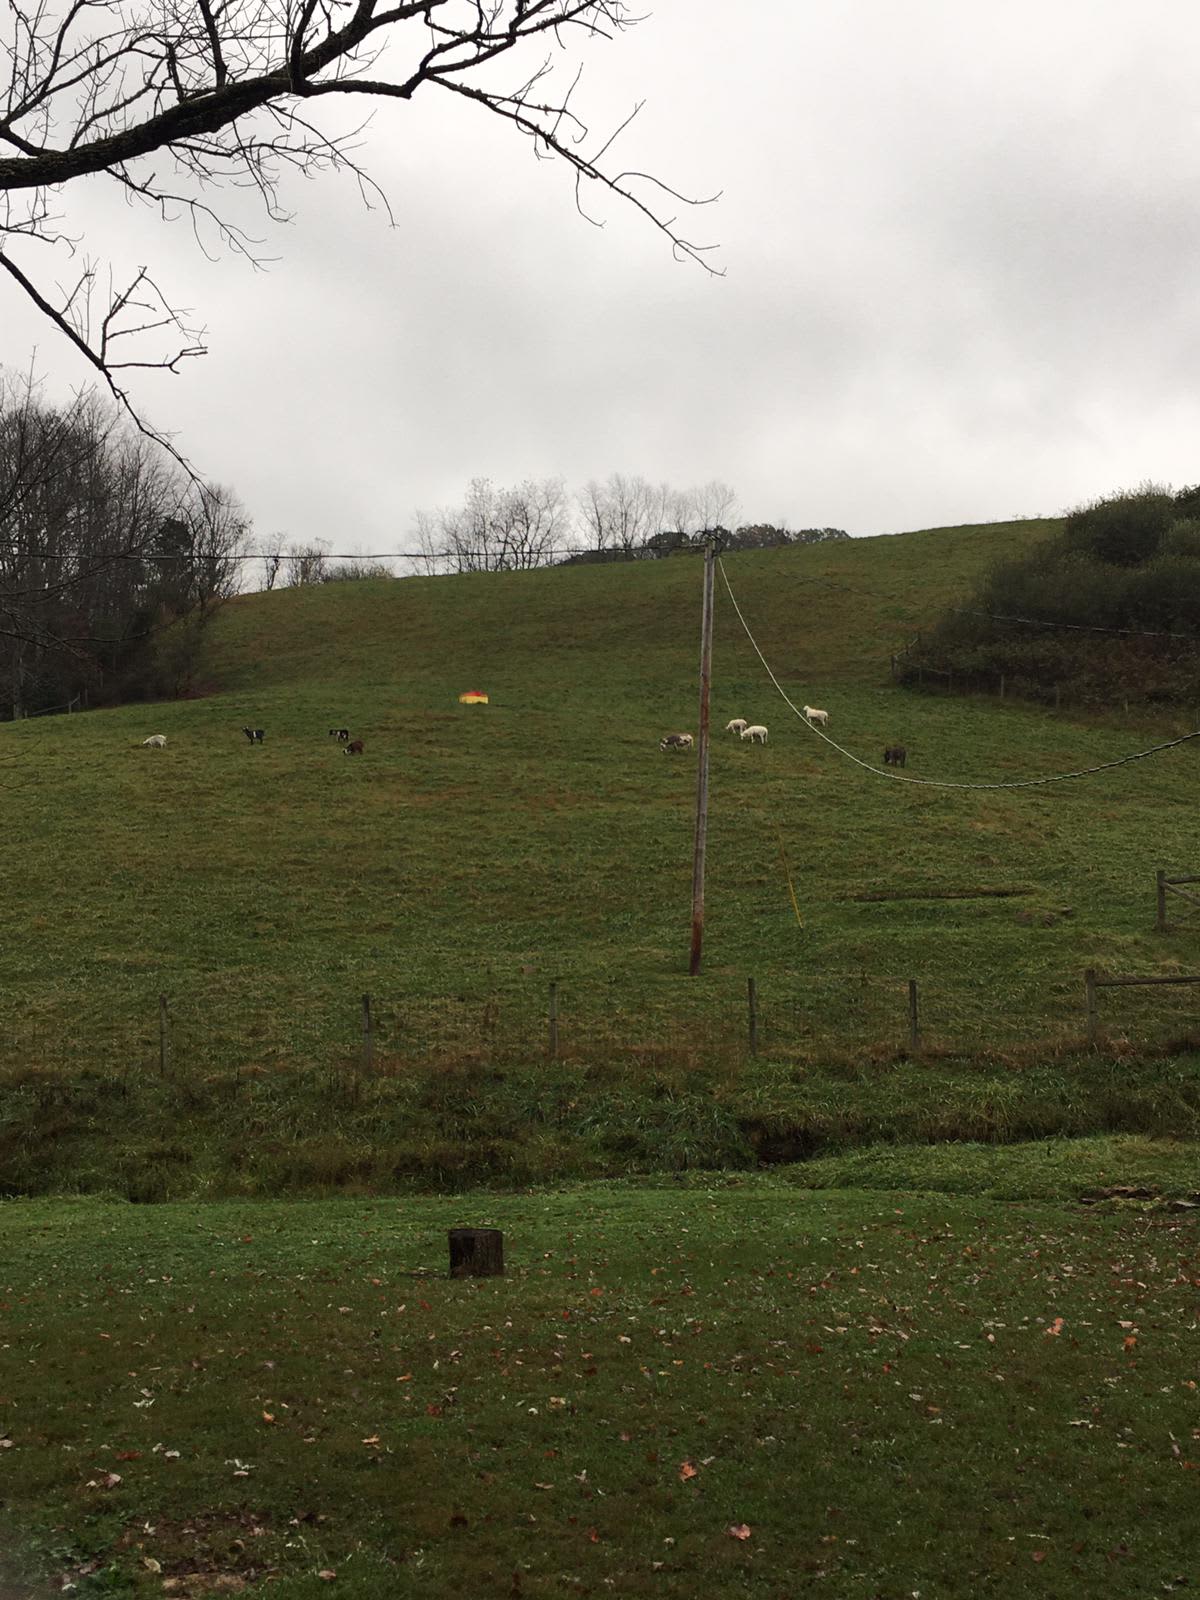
[(701, 839), (476, 1253), (1160, 921), (164, 1043), (1002, 686), (914, 1021), (752, 1003), (368, 1040), (1089, 995), (553, 1014)]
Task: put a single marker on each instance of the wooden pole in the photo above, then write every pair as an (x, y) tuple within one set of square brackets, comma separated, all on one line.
[(914, 1021), (1002, 686), (1160, 922), (1089, 994), (752, 1002), (553, 1019), (701, 840), (163, 1037), (368, 1043)]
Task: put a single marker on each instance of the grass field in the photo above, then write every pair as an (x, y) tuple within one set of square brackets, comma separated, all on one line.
[(471, 856), (883, 1394), (945, 1348)]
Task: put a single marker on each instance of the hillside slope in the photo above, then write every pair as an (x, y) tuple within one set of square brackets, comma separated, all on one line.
[(472, 855)]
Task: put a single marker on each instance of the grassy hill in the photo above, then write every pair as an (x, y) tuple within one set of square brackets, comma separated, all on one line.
[(475, 854)]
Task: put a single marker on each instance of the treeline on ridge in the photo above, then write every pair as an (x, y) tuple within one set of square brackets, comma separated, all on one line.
[(112, 557), (1109, 609)]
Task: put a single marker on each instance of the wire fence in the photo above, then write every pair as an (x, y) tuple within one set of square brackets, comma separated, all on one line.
[(815, 1018)]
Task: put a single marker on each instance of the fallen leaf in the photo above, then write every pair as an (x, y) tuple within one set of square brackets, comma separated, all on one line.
[(738, 1530), (686, 1471)]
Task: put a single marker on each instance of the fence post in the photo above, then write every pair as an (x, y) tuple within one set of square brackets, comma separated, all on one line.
[(752, 1005), (163, 1038), (368, 1043), (914, 1022), (553, 1018), (1089, 994), (1160, 922), (1002, 686)]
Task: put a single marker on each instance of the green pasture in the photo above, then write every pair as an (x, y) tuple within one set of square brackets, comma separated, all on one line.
[(472, 856), (731, 1387)]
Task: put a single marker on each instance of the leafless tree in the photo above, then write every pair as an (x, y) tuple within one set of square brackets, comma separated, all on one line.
[(712, 505), (497, 530), (173, 99), (622, 513), (220, 534), (272, 548), (306, 563)]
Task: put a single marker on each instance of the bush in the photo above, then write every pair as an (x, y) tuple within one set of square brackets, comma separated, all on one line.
[(1112, 606), (1122, 529)]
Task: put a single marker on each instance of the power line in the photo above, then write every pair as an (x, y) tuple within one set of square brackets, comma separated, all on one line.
[(942, 783)]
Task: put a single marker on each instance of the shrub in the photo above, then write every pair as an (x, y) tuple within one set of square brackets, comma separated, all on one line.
[(1123, 529)]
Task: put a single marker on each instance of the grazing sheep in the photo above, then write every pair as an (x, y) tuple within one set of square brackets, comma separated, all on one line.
[(354, 748), (156, 741), (255, 735), (340, 734), (738, 725), (814, 716), (676, 741), (895, 756), (756, 733)]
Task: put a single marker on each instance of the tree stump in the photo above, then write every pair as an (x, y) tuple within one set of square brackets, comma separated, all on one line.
[(476, 1253)]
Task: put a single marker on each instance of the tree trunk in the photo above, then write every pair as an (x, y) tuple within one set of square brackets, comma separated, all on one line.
[(476, 1253)]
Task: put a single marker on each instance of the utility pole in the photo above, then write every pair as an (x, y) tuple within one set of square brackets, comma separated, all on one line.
[(710, 562)]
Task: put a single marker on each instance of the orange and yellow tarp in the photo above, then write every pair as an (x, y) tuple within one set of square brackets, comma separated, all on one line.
[(473, 697)]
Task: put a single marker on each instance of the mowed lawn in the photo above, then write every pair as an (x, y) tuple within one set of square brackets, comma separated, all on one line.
[(473, 855), (721, 1388)]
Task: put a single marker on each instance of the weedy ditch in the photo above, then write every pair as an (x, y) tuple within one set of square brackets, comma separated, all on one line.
[(455, 1127)]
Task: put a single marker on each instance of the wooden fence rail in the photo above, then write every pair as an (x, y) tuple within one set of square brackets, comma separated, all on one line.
[(1165, 886), (1092, 981)]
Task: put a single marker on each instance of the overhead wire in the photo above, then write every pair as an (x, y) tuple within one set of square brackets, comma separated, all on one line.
[(939, 783)]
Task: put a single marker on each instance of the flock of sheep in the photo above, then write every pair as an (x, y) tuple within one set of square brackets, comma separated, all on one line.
[(353, 747), (753, 731), (894, 756)]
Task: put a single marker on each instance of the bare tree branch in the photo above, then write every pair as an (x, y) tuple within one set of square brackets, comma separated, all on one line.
[(219, 91)]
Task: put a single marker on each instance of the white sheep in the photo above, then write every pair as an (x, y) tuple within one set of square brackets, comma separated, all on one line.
[(756, 733), (814, 716), (156, 741), (738, 725)]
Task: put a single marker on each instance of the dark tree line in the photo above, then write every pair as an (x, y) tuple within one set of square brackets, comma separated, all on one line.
[(111, 558)]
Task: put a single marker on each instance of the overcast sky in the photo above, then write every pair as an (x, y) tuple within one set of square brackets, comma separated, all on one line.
[(961, 248)]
